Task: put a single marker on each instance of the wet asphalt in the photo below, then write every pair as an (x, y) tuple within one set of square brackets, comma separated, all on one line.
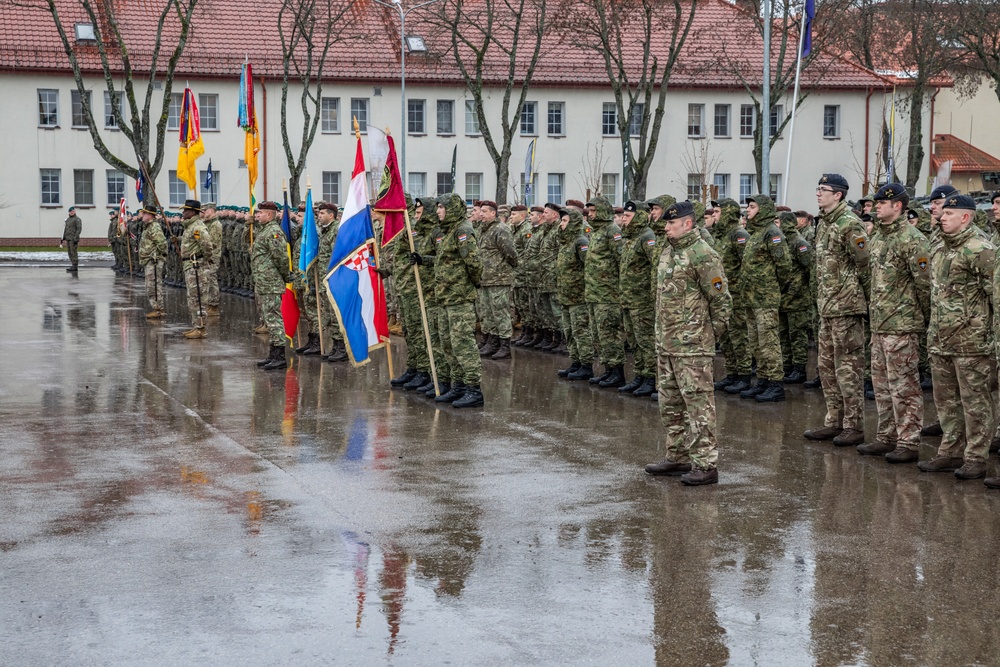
[(164, 502)]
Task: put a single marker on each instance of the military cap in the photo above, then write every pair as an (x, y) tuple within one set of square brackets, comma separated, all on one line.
[(563, 212), (866, 217), (996, 193), (752, 198), (630, 206), (194, 205), (835, 181), (537, 209), (267, 206), (113, 213), (209, 204), (575, 202), (911, 214), (146, 208), (554, 207), (518, 207), (619, 210), (942, 191), (889, 191), (961, 202), (302, 206), (714, 203), (327, 206), (477, 202), (417, 201), (681, 209), (486, 202), (782, 209)]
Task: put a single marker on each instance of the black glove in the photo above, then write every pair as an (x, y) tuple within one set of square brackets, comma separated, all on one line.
[(415, 258)]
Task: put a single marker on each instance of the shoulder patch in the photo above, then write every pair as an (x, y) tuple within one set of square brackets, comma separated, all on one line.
[(922, 263), (617, 237), (276, 235), (462, 238), (650, 242), (860, 241), (775, 239), (584, 248), (741, 240), (196, 234), (717, 283), (528, 235), (803, 247), (587, 230)]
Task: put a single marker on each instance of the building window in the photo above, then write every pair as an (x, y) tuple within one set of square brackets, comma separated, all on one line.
[(609, 119), (556, 119), (444, 185), (748, 118), (722, 120), (635, 126), (359, 110), (471, 118), (721, 183), (76, 102), (329, 115), (208, 194), (83, 187), (331, 187), (208, 111), (110, 121), (831, 121), (48, 108), (557, 183), (609, 187), (178, 190), (116, 187), (174, 111), (529, 194), (473, 188), (415, 117), (529, 116), (51, 187), (775, 186), (695, 182), (696, 118), (777, 116), (746, 186), (446, 117), (416, 183)]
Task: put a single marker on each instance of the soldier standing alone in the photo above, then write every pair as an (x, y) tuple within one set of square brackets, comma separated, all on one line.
[(71, 237)]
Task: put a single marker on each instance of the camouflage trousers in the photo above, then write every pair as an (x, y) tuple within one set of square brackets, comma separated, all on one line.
[(522, 297), (211, 294), (314, 310), (687, 409), (840, 361), (898, 397), (494, 310), (576, 326), (270, 311), (530, 316), (762, 333), (963, 394), (71, 247), (606, 328), (465, 362), (640, 334), (154, 284), (734, 343), (194, 277), (793, 330), (413, 332), (437, 322), (547, 311)]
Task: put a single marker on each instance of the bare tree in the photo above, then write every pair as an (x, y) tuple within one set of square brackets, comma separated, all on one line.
[(308, 30), (976, 26), (122, 69), (698, 158), (594, 164)]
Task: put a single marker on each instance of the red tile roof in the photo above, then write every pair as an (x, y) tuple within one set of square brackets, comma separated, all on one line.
[(965, 157), (225, 32)]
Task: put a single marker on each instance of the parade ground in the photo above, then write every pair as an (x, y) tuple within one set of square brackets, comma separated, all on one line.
[(166, 502)]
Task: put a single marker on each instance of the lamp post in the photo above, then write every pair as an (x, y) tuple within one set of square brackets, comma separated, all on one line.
[(415, 44)]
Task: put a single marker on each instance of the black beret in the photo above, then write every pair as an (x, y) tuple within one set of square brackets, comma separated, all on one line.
[(996, 193), (942, 191), (835, 181), (630, 206), (681, 209), (961, 202), (554, 207), (911, 214), (889, 191)]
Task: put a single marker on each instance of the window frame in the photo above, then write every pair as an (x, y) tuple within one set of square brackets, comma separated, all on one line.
[(51, 96), (450, 106), (359, 104), (57, 200), (609, 114), (749, 179), (75, 100), (635, 122), (472, 116), (728, 133), (414, 108), (836, 121), (331, 184), (110, 122), (324, 116), (447, 189), (117, 199), (529, 108), (174, 112), (83, 199), (202, 99), (469, 195), (722, 189), (696, 131), (422, 190), (558, 108), (173, 183), (560, 183), (612, 195), (752, 117)]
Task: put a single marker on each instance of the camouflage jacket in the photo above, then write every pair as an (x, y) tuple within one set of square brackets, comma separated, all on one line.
[(428, 236), (766, 272), (962, 275), (901, 279), (521, 234), (638, 259), (532, 251), (547, 258), (214, 227), (499, 257), (324, 250), (841, 264), (799, 295), (72, 229), (196, 242), (692, 301), (732, 240), (601, 272), (571, 261), (153, 244), (458, 267), (269, 259)]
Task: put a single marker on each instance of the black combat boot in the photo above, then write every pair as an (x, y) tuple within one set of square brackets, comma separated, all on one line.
[(869, 390), (615, 379), (561, 349), (428, 389), (279, 359), (303, 348), (756, 390), (774, 393), (456, 392), (742, 384), (503, 352), (417, 381), (631, 386), (338, 353), (491, 346), (796, 376), (812, 384), (573, 367), (725, 382), (585, 372), (270, 357), (527, 333), (404, 378), (554, 343), (473, 398), (313, 347), (542, 338), (647, 388), (602, 377)]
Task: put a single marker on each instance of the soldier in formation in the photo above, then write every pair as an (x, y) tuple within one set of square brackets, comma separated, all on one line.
[(152, 256), (269, 265), (196, 252)]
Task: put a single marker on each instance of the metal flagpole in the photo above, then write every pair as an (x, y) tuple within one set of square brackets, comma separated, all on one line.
[(795, 103), (765, 133)]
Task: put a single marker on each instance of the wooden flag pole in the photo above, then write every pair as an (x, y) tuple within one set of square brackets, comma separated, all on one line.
[(319, 313)]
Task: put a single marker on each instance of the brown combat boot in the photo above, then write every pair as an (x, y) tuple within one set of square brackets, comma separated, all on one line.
[(155, 314), (992, 482), (823, 433), (849, 437), (260, 328), (668, 467), (503, 352), (902, 455), (211, 311), (941, 464), (701, 477), (197, 332), (971, 470), (876, 448)]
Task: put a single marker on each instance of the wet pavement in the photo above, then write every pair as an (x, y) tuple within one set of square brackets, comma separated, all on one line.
[(163, 501)]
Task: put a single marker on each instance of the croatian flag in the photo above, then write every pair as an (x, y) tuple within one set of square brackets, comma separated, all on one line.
[(354, 287)]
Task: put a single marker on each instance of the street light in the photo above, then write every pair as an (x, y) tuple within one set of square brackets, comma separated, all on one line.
[(415, 44)]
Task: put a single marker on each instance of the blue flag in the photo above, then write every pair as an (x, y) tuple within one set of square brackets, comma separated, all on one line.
[(807, 27), (310, 237), (286, 225), (208, 176)]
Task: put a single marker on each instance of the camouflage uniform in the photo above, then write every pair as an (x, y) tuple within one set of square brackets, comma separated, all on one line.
[(269, 264), (570, 281), (196, 251), (732, 240), (71, 235), (428, 236), (152, 252), (796, 301), (602, 284), (548, 302), (211, 273), (638, 259), (534, 238), (326, 318), (457, 272), (521, 234), (766, 273), (692, 310), (900, 293), (841, 282), (961, 344), (499, 258)]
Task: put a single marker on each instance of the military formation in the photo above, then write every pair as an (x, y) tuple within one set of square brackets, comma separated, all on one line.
[(895, 298)]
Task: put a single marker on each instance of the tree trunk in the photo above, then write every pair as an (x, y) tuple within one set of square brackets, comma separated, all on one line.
[(915, 151)]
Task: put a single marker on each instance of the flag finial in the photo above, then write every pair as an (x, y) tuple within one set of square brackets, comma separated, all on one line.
[(388, 132), (357, 128), (309, 185), (284, 185)]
